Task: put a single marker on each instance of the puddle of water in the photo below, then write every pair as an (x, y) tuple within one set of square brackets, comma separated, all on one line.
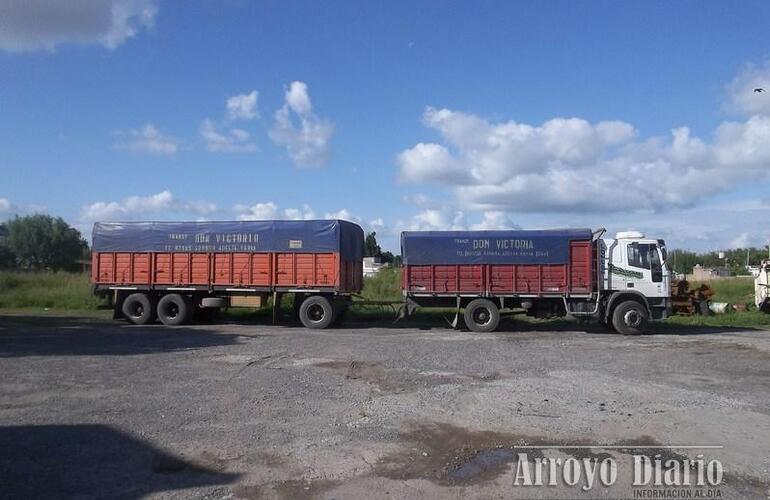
[(484, 461)]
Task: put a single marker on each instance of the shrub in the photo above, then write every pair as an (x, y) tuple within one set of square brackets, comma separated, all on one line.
[(55, 290)]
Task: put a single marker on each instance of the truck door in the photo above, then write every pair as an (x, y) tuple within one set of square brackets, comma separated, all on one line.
[(644, 269)]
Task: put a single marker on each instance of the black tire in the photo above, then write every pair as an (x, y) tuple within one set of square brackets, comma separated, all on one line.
[(481, 315), (174, 310), (138, 309), (316, 312), (629, 318)]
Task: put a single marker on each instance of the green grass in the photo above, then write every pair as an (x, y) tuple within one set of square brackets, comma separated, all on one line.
[(70, 294), (40, 291), (748, 319), (385, 285), (732, 290)]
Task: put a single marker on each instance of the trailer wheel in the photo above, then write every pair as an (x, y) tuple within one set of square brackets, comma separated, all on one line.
[(174, 310), (481, 315), (138, 309), (629, 318), (316, 312)]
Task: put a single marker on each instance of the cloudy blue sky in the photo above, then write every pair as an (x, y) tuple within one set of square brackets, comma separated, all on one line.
[(398, 115)]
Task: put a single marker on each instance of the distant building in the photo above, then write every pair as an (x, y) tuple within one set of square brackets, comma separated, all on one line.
[(700, 273), (372, 265)]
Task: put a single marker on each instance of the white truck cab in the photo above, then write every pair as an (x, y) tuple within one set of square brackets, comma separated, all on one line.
[(633, 268)]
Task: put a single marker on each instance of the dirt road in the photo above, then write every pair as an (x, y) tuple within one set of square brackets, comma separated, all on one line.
[(95, 409)]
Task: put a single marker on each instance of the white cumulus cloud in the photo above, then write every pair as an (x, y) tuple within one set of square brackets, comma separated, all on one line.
[(136, 207), (27, 25), (343, 214), (740, 241), (148, 139), (302, 213), (570, 164), (436, 219), (307, 141), (243, 106), (430, 162), (233, 140), (269, 211), (494, 220), (5, 205)]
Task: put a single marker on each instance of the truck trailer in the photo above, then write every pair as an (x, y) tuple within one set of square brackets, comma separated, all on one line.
[(179, 271), (621, 282)]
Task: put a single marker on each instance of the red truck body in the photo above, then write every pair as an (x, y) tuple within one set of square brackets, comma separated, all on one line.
[(259, 270), (262, 256), (526, 270)]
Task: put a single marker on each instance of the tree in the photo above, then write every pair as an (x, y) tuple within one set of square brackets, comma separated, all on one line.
[(682, 261), (7, 259), (371, 248), (44, 242), (393, 260)]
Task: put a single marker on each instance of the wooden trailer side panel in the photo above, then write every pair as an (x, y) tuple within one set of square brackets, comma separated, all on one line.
[(307, 270), (290, 269), (581, 266), (222, 269), (162, 269), (260, 269), (505, 279)]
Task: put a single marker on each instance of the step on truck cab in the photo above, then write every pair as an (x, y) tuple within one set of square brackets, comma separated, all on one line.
[(180, 272), (622, 282)]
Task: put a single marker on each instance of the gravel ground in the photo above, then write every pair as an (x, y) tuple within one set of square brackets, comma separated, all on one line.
[(96, 409)]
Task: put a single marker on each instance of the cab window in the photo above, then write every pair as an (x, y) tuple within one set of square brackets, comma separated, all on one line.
[(639, 255)]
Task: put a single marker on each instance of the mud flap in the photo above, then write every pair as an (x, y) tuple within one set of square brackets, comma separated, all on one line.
[(455, 322)]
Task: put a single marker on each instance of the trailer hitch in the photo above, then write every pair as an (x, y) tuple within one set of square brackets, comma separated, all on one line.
[(405, 310)]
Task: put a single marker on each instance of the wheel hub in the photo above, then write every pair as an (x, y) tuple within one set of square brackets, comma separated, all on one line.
[(632, 319), (316, 312), (482, 316)]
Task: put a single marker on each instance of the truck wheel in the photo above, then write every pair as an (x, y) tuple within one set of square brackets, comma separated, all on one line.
[(481, 315), (316, 312), (629, 318), (174, 310), (138, 309)]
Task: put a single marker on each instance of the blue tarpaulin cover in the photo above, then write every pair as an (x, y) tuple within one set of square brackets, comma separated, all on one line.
[(489, 247), (237, 236)]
